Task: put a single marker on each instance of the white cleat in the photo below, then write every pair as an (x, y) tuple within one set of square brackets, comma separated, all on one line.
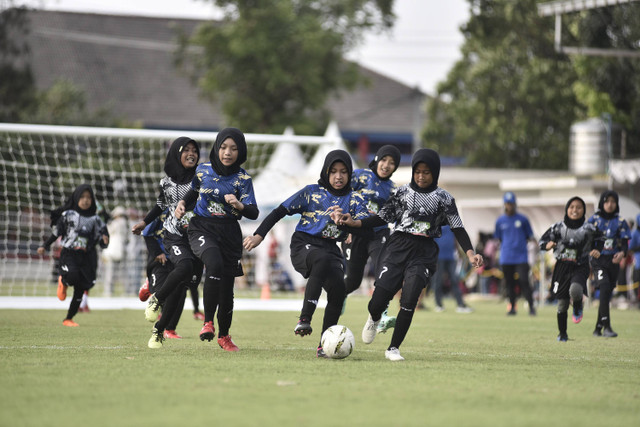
[(152, 311), (369, 330), (393, 354)]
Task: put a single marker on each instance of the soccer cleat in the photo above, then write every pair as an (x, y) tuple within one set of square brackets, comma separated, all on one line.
[(369, 331), (303, 327), (577, 316), (156, 339), (62, 289), (438, 309), (227, 344), (464, 310), (144, 292), (152, 311), (393, 354), (609, 333), (208, 331), (511, 310), (386, 323), (532, 311), (70, 323), (563, 337), (171, 334), (198, 315), (597, 332), (321, 354)]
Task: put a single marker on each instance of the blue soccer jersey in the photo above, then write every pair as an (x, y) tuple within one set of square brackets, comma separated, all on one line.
[(615, 230), (313, 202), (513, 231), (374, 190), (213, 187)]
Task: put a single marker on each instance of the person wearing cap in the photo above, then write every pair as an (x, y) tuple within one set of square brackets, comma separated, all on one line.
[(513, 231)]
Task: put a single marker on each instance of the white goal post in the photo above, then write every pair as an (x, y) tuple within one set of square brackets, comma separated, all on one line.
[(40, 165)]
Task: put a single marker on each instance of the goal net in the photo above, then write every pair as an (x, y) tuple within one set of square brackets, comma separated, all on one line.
[(41, 165)]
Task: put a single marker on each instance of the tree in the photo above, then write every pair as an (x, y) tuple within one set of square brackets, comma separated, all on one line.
[(274, 63), (511, 100)]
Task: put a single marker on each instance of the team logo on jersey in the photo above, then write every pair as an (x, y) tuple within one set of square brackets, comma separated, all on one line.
[(373, 207), (419, 228), (184, 221), (216, 191), (215, 209), (80, 244), (331, 231), (518, 223)]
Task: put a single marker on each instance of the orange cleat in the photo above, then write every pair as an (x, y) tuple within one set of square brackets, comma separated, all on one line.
[(227, 344), (171, 334), (62, 290), (70, 323), (208, 331), (198, 315)]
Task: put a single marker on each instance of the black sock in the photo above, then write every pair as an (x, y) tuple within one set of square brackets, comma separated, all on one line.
[(402, 327), (562, 323)]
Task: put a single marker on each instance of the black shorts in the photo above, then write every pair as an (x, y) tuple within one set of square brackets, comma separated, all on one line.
[(157, 273), (178, 247), (564, 274), (605, 272), (303, 245), (77, 268), (406, 258), (361, 249), (223, 236)]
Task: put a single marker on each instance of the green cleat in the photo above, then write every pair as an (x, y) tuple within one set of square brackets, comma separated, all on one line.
[(152, 310), (156, 339), (386, 322)]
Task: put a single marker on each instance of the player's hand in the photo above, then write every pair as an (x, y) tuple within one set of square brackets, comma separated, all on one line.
[(619, 256), (476, 260), (137, 228), (41, 250), (349, 239), (550, 245), (336, 214), (180, 209), (348, 220), (105, 239), (233, 201), (162, 259), (251, 242), (594, 253)]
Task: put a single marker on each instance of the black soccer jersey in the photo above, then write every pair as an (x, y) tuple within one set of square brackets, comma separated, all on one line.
[(420, 214), (572, 244), (79, 233), (171, 193)]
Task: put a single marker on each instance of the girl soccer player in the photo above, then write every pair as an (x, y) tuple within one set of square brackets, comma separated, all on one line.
[(81, 229), (573, 241), (605, 268), (375, 186), (180, 168), (224, 193), (314, 252), (409, 257)]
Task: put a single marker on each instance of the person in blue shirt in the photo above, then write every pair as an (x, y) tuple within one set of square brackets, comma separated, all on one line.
[(314, 252), (224, 193), (375, 186), (513, 230), (605, 269), (447, 266), (634, 246)]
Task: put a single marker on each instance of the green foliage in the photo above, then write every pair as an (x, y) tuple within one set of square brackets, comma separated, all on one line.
[(482, 369), (511, 100), (274, 63)]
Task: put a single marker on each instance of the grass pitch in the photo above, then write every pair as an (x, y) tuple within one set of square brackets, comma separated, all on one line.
[(479, 369)]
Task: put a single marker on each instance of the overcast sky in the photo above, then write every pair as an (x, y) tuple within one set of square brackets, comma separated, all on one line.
[(419, 52)]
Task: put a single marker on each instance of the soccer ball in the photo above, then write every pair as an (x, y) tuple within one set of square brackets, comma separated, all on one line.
[(337, 342)]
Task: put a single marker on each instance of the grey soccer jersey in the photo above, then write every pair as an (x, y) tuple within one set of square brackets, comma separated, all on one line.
[(572, 244), (169, 197), (79, 233), (420, 214)]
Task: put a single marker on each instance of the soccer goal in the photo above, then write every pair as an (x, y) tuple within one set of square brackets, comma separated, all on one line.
[(41, 165)]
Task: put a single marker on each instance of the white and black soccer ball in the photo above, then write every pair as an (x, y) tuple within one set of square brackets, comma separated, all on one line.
[(337, 342)]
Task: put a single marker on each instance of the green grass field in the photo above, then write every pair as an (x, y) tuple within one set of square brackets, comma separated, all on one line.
[(479, 369)]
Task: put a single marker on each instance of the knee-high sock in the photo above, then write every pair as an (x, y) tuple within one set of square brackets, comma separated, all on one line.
[(604, 319), (74, 305), (311, 295), (177, 310), (225, 307), (402, 327), (562, 323)]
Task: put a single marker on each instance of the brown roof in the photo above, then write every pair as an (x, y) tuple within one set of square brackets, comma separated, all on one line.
[(126, 64)]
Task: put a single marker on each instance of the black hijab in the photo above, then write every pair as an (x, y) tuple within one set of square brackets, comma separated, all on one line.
[(386, 150), (72, 204), (214, 157), (574, 223), (332, 157), (603, 198), (173, 164), (431, 159)]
